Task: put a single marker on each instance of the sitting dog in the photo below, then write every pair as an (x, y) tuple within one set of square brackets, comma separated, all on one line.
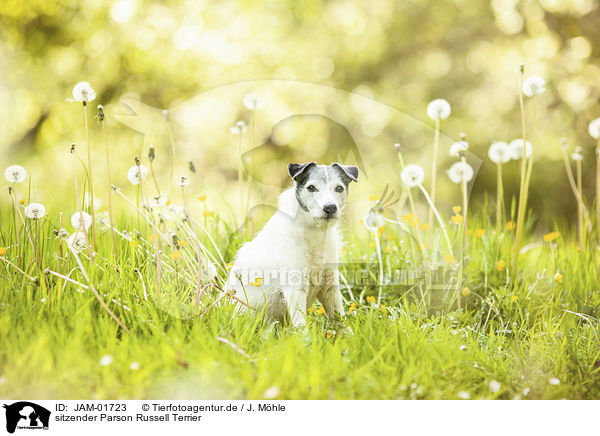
[(293, 259)]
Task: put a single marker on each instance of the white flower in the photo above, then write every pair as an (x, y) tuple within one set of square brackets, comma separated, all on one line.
[(459, 172), (35, 211), (499, 152), (134, 366), (534, 85), (183, 181), (103, 218), (464, 395), (494, 386), (594, 128), (253, 101), (412, 175), (77, 242), (457, 147), (106, 360), (577, 155), (137, 174), (15, 174), (438, 109), (373, 221), (83, 92), (516, 149), (239, 128), (81, 220), (554, 381)]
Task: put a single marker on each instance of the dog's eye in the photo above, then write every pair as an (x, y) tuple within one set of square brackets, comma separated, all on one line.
[(339, 188), (311, 188)]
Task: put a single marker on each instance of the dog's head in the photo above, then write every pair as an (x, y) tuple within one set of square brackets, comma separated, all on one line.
[(321, 190)]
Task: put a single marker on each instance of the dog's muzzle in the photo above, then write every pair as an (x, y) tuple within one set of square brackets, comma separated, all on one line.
[(330, 210)]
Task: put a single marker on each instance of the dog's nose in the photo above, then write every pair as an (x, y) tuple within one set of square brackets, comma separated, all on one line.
[(330, 209)]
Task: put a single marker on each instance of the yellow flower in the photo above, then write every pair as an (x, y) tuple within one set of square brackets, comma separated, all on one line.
[(410, 219), (457, 219), (558, 278), (372, 244), (2, 251), (373, 197), (423, 246), (181, 243), (513, 298), (175, 254), (133, 244), (449, 258), (383, 309), (343, 251), (152, 236), (456, 209), (229, 266), (500, 265), (371, 299), (311, 310), (465, 292), (380, 231), (352, 308), (469, 231), (257, 282), (22, 201), (329, 333), (510, 225), (424, 226), (207, 213), (389, 237), (202, 198), (168, 202), (479, 233), (549, 237), (321, 311)]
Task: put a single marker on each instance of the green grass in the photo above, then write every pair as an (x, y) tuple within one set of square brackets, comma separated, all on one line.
[(53, 335)]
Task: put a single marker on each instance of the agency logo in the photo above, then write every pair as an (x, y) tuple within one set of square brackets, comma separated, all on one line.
[(26, 415)]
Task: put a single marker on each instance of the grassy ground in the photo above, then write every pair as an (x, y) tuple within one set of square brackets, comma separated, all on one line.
[(537, 339)]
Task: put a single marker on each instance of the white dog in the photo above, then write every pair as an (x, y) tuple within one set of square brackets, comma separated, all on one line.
[(293, 259)]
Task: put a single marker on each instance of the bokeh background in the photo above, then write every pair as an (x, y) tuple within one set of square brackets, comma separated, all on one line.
[(401, 54)]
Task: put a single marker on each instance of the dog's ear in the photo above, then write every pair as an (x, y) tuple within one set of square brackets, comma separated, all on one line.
[(298, 171), (349, 171)]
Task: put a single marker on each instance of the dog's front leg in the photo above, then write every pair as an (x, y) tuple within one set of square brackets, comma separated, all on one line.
[(331, 299), (295, 299)]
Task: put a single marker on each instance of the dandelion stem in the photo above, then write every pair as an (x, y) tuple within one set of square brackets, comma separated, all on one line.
[(89, 156), (499, 197), (16, 211), (198, 250), (379, 258), (598, 190), (33, 279), (240, 179), (79, 203), (521, 206), (437, 215), (436, 142), (463, 186), (572, 182), (172, 141), (580, 228), (109, 193)]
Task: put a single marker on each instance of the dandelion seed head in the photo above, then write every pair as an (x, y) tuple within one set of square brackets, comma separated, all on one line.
[(464, 395), (103, 218), (83, 92), (534, 85), (106, 360), (136, 174), (457, 147), (412, 175), (239, 128), (373, 221), (460, 172), (81, 220), (438, 109), (594, 128), (134, 366), (253, 101), (554, 381), (516, 149), (77, 242), (62, 234), (577, 156), (499, 152), (35, 211), (15, 174), (494, 386)]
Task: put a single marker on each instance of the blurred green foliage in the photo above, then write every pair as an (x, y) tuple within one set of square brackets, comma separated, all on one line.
[(401, 53)]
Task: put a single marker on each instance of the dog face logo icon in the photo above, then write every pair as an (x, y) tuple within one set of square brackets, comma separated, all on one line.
[(26, 415)]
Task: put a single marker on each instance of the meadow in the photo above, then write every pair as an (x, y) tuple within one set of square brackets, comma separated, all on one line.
[(128, 302)]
